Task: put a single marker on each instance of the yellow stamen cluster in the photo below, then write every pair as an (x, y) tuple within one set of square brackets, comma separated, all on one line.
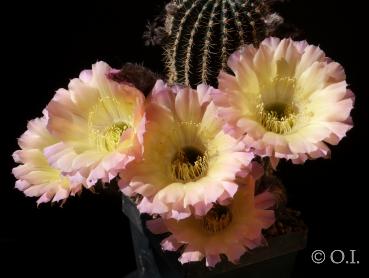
[(278, 118), (189, 124), (188, 165), (109, 138), (105, 138), (217, 219)]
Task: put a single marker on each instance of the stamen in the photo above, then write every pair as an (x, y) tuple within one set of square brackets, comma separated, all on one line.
[(108, 139), (278, 118), (189, 164), (217, 219), (105, 138), (189, 125)]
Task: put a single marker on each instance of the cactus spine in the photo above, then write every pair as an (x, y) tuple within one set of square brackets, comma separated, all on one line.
[(202, 34)]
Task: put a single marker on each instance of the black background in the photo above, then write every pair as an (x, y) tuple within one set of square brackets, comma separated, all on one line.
[(45, 45)]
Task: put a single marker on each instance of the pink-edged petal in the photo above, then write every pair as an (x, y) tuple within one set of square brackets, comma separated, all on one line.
[(156, 226), (264, 200), (170, 244), (212, 260), (190, 255)]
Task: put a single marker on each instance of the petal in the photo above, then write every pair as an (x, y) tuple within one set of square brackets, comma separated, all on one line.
[(212, 260), (190, 255), (264, 200), (170, 244), (156, 226)]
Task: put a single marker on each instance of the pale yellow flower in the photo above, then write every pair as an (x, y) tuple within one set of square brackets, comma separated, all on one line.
[(36, 178), (100, 124), (288, 98), (189, 161)]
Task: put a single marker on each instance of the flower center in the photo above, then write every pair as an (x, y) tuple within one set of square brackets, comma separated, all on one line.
[(109, 138), (217, 219), (104, 124), (277, 117), (189, 164), (279, 114)]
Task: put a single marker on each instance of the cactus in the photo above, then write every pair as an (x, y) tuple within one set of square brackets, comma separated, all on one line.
[(201, 34)]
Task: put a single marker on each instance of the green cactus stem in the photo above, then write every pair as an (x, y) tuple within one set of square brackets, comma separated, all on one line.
[(201, 34)]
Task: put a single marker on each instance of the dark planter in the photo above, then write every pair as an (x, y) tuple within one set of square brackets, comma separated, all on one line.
[(275, 261)]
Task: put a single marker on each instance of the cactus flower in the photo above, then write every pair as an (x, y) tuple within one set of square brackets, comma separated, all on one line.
[(36, 178), (288, 98), (100, 124), (189, 161), (231, 230)]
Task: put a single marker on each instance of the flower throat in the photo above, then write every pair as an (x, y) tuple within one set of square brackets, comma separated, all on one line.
[(189, 164), (217, 219)]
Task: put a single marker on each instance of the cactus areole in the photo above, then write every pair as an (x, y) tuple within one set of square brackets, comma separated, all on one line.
[(203, 33)]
